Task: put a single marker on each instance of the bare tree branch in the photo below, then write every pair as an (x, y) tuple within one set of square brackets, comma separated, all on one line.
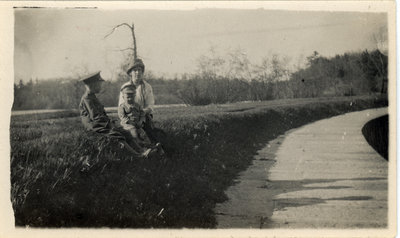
[(132, 28), (130, 48), (134, 42), (122, 24)]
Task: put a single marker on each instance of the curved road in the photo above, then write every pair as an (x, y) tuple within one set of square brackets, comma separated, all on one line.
[(322, 175)]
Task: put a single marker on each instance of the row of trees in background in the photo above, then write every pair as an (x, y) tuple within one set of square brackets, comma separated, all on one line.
[(66, 93), (343, 75), (230, 78)]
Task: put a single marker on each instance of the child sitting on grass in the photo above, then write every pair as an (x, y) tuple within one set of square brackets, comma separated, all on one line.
[(133, 117), (94, 117)]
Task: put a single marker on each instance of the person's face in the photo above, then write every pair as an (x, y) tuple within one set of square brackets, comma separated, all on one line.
[(137, 76), (129, 97)]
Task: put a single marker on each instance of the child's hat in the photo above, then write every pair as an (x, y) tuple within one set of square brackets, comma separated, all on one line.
[(128, 88), (91, 78)]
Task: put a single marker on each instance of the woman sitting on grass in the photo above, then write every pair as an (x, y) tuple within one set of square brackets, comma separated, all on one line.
[(94, 117)]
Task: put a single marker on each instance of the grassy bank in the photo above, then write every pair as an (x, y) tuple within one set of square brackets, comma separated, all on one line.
[(64, 176)]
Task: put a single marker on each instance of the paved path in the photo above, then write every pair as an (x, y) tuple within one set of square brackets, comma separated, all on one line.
[(322, 175)]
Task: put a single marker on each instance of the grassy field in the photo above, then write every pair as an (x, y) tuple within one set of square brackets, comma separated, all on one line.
[(62, 176)]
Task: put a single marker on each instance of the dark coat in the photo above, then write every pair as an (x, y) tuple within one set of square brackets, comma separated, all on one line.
[(94, 117)]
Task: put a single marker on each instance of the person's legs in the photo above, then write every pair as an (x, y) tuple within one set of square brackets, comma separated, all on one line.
[(143, 138), (134, 132), (148, 128), (137, 138), (125, 145), (155, 135), (136, 145), (133, 147), (130, 135)]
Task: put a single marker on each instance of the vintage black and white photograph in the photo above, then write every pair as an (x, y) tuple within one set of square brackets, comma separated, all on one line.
[(206, 116)]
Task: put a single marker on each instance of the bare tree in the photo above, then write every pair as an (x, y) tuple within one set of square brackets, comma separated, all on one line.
[(239, 65), (132, 29), (381, 41), (262, 71), (211, 64)]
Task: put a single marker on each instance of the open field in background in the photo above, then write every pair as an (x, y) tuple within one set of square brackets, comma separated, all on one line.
[(207, 146), (179, 110), (55, 111)]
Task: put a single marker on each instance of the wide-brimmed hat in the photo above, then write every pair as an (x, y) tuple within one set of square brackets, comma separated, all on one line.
[(91, 78), (137, 63)]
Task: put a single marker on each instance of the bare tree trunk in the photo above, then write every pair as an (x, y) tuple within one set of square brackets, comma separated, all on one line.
[(132, 28), (134, 42)]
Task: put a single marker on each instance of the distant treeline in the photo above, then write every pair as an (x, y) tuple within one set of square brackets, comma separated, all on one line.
[(67, 93), (343, 75)]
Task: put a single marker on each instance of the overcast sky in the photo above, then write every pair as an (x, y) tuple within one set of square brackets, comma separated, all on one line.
[(54, 43)]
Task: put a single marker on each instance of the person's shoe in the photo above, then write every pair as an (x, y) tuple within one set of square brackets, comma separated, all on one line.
[(159, 148), (158, 145), (146, 153)]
